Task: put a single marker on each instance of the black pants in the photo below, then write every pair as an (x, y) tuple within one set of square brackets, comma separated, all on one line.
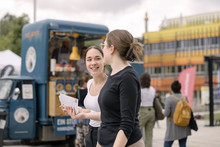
[(91, 137)]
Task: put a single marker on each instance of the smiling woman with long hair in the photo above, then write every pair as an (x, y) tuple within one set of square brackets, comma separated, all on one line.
[(95, 65)]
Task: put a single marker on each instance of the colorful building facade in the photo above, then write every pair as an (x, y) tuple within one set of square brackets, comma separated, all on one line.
[(180, 43)]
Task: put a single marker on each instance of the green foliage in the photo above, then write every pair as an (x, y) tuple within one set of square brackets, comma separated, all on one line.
[(10, 32), (93, 42)]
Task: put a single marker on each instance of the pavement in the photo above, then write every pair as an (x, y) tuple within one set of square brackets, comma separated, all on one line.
[(206, 136)]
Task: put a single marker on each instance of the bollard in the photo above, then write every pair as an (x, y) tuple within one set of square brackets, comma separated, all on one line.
[(2, 126)]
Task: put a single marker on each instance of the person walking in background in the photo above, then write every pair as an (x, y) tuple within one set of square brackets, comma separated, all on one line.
[(120, 97), (174, 132), (147, 112), (158, 96), (81, 92), (95, 65)]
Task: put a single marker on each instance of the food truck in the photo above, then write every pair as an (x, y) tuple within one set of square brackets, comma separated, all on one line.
[(31, 99)]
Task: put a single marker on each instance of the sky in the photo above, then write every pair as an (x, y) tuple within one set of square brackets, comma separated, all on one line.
[(115, 14)]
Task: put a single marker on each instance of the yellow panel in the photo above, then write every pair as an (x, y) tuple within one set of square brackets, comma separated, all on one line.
[(189, 32), (154, 58), (180, 58), (168, 57)]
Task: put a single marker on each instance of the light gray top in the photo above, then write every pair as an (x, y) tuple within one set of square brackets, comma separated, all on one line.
[(147, 96), (91, 103), (174, 132)]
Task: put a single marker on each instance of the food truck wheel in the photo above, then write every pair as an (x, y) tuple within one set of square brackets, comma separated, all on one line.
[(71, 140)]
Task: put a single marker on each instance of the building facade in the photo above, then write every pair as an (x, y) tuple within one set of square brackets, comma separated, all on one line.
[(180, 43)]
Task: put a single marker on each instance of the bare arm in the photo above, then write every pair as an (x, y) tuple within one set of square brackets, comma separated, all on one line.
[(83, 114), (121, 140)]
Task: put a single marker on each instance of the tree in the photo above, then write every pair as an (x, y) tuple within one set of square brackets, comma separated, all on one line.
[(10, 32)]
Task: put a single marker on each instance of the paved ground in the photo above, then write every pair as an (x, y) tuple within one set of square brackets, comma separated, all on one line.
[(205, 137)]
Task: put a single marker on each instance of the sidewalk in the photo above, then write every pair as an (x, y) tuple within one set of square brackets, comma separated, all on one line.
[(205, 137)]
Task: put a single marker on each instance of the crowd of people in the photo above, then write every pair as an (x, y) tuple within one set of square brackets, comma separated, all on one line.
[(119, 105)]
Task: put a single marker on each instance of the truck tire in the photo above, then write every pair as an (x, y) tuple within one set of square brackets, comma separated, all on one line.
[(71, 141)]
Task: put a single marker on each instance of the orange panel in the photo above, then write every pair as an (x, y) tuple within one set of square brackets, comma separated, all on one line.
[(182, 61), (164, 84), (168, 63), (158, 64), (197, 60)]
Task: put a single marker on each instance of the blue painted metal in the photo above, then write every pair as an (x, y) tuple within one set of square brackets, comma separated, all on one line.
[(26, 130), (36, 35), (64, 125), (138, 67), (14, 129)]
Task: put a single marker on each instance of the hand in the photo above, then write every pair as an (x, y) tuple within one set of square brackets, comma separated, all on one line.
[(80, 110), (73, 115), (63, 109)]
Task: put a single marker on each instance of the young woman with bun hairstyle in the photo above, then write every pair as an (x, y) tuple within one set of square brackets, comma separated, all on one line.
[(120, 97)]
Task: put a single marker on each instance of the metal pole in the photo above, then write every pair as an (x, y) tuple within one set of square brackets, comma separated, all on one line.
[(211, 116), (0, 27), (34, 10)]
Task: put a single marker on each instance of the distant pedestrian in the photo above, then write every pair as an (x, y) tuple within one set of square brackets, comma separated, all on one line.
[(158, 96), (147, 112), (174, 132)]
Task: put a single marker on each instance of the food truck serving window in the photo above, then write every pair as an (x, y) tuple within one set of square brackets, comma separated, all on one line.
[(5, 88)]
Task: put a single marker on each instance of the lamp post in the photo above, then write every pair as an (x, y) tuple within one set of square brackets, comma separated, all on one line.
[(34, 10)]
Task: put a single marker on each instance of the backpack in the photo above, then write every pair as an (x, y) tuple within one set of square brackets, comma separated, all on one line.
[(158, 109), (182, 113)]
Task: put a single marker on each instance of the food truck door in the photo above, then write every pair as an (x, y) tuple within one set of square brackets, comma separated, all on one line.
[(22, 108)]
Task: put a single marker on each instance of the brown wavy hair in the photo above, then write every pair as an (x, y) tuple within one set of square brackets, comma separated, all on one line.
[(127, 46)]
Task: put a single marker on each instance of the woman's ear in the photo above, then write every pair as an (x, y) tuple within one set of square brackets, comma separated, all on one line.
[(112, 49)]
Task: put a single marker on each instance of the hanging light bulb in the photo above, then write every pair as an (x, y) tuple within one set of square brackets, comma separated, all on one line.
[(74, 55)]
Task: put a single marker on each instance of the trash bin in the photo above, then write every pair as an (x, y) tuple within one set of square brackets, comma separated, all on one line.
[(3, 115)]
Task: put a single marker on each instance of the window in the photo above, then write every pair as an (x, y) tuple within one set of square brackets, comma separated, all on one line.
[(157, 70), (202, 67), (179, 69), (196, 42), (214, 40), (202, 41), (191, 43), (173, 69), (178, 44), (198, 67), (5, 88)]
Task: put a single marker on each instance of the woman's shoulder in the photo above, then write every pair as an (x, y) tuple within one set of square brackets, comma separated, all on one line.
[(152, 88), (129, 72), (89, 83)]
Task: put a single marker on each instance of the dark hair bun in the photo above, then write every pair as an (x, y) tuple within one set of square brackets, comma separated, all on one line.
[(176, 83)]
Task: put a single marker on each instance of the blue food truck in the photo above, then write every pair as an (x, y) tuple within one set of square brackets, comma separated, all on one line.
[(51, 51)]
